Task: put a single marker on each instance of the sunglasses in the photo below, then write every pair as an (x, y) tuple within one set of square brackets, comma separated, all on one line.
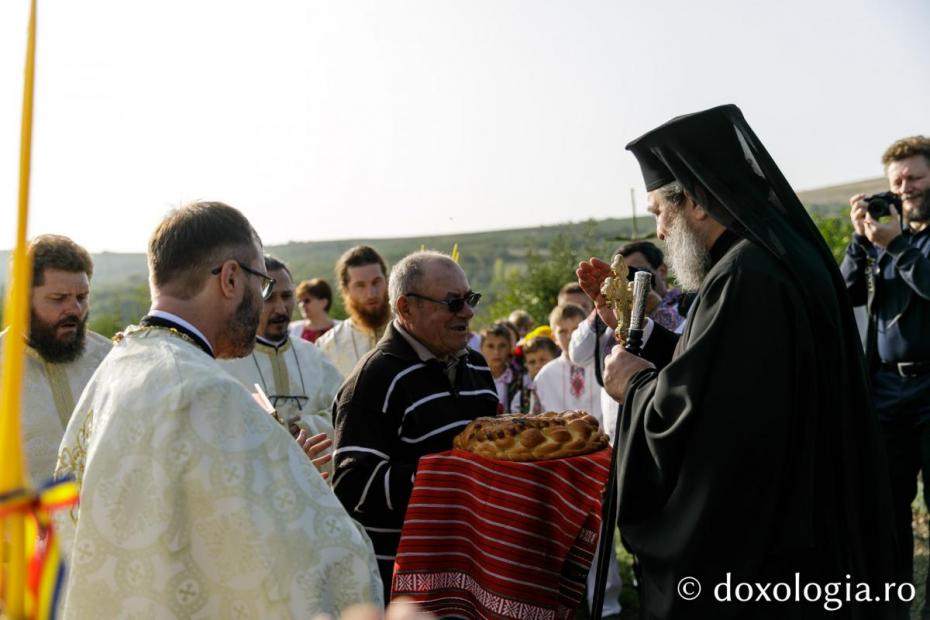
[(455, 305), (267, 281)]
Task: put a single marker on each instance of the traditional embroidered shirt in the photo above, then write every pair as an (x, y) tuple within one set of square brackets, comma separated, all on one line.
[(562, 385)]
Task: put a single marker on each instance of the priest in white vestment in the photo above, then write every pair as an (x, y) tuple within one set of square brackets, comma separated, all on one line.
[(195, 502), (61, 355), (295, 375)]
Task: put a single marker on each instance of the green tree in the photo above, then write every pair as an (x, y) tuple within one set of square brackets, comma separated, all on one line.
[(114, 307), (535, 288), (837, 231)]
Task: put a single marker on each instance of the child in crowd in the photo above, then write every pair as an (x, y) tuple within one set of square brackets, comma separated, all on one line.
[(496, 346), (537, 352), (522, 320), (562, 384)]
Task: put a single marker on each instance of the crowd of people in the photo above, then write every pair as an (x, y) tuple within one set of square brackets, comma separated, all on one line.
[(234, 462)]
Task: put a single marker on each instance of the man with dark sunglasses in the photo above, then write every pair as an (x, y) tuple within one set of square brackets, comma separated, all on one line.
[(408, 397)]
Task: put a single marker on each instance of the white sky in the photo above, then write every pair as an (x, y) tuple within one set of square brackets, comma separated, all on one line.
[(325, 120)]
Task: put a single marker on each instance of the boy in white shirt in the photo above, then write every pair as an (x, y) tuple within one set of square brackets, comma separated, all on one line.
[(562, 384)]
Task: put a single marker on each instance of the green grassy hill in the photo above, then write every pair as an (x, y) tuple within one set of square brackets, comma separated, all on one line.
[(831, 200), (120, 293)]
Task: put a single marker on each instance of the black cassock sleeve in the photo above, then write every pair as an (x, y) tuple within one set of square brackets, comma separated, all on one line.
[(660, 346), (853, 268)]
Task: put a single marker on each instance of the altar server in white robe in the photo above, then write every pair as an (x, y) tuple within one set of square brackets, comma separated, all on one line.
[(195, 502)]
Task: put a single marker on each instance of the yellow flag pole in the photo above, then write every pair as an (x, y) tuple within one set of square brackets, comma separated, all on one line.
[(12, 468)]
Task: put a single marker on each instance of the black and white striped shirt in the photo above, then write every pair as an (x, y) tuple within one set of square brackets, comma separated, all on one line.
[(394, 408)]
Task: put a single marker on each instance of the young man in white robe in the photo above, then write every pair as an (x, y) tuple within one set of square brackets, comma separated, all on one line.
[(294, 374), (61, 355), (194, 501), (362, 276)]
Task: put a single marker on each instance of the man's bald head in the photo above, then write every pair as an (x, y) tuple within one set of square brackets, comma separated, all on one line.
[(413, 270)]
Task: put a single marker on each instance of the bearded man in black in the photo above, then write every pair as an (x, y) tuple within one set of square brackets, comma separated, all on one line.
[(749, 452)]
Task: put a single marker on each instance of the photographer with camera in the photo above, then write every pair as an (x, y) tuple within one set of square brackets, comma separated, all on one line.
[(887, 268)]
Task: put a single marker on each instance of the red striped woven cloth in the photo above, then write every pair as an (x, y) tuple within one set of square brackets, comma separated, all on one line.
[(499, 539)]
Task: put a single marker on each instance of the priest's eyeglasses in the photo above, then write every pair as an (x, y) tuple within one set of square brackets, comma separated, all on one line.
[(455, 305), (267, 281)]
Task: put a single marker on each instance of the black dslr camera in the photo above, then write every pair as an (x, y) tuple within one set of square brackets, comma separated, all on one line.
[(879, 205)]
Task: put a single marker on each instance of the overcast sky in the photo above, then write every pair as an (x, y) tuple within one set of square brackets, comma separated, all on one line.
[(324, 120)]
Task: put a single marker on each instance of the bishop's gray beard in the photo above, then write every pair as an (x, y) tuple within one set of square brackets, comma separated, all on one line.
[(687, 257)]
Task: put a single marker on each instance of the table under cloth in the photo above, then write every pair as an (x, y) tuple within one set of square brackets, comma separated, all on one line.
[(500, 539)]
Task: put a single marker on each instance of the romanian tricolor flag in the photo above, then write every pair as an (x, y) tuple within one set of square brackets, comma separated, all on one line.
[(45, 570)]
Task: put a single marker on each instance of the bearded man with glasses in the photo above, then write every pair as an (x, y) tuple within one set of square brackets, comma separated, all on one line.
[(185, 480), (409, 397)]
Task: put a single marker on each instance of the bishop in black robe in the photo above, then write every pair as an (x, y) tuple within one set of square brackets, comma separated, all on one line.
[(749, 454)]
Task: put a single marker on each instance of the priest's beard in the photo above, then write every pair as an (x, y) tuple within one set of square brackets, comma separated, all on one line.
[(275, 329), (687, 257), (242, 327), (369, 318), (44, 339)]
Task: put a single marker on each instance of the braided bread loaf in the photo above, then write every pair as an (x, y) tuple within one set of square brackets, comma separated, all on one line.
[(520, 437)]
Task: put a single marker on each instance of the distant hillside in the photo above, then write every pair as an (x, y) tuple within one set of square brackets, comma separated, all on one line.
[(480, 251), (120, 292), (832, 200)]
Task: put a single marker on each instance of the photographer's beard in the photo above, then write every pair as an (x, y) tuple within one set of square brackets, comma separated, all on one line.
[(919, 212), (686, 255), (43, 337), (370, 318)]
